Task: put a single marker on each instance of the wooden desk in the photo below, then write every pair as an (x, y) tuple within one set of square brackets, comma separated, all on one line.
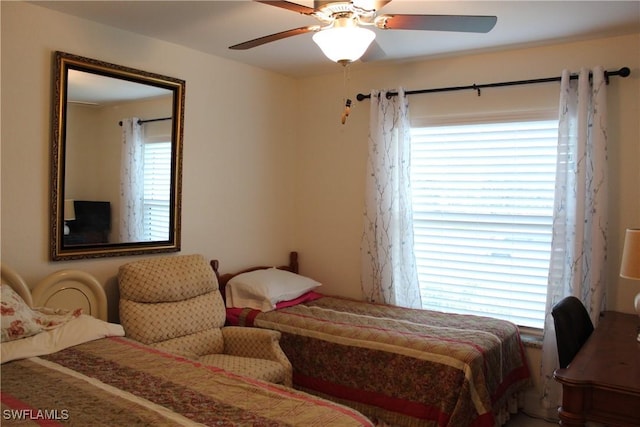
[(602, 383)]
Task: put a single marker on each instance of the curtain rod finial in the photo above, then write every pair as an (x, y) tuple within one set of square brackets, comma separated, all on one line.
[(624, 72)]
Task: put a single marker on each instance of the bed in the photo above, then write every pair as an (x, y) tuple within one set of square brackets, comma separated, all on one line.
[(81, 370), (396, 365)]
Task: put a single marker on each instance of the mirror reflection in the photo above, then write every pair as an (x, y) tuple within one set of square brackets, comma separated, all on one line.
[(118, 169), (117, 186)]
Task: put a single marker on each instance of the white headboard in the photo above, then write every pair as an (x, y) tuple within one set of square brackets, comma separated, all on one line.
[(68, 289), (11, 277)]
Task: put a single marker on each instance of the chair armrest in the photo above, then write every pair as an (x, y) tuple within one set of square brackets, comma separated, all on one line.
[(250, 342), (257, 343)]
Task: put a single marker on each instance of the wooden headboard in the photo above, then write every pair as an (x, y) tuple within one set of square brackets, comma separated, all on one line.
[(224, 278)]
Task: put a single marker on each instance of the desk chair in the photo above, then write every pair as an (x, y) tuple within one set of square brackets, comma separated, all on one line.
[(573, 327)]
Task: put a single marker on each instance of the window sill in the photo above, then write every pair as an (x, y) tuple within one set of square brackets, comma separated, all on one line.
[(531, 338)]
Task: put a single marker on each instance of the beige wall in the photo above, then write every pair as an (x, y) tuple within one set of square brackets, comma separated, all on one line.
[(238, 144)]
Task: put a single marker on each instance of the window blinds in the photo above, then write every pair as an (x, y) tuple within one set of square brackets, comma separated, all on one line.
[(157, 187), (483, 202)]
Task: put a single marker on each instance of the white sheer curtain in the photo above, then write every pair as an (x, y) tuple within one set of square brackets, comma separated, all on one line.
[(131, 181), (578, 247), (389, 272)]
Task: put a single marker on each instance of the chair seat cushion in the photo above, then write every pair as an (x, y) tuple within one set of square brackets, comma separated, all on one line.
[(261, 369)]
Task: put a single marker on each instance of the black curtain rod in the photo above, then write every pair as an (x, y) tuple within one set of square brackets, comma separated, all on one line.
[(622, 72), (141, 122)]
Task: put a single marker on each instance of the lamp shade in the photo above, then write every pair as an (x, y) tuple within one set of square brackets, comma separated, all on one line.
[(630, 267), (344, 44), (69, 210)]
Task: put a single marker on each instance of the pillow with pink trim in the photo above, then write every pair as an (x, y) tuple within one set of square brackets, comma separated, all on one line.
[(306, 297), (264, 289), (235, 314)]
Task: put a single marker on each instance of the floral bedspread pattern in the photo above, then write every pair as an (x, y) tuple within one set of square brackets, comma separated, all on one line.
[(115, 381), (402, 366)]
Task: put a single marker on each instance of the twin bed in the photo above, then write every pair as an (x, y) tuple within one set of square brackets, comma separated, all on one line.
[(396, 365), (63, 367)]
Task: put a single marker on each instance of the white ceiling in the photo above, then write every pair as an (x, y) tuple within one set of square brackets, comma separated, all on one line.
[(95, 89), (213, 26)]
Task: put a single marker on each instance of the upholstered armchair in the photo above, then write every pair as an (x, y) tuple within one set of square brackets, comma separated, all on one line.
[(173, 303)]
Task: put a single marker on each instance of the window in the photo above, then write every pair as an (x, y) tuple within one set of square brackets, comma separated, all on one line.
[(157, 189), (483, 202)]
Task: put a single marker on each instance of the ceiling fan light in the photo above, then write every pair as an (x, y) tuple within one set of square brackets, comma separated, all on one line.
[(344, 44)]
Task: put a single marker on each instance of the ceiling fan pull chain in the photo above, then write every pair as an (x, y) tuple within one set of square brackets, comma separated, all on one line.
[(347, 110), (347, 102)]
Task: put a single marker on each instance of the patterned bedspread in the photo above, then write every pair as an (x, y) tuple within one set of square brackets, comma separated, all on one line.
[(117, 382), (402, 366)]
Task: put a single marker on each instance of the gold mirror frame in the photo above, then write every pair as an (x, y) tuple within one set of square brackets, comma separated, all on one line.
[(64, 62)]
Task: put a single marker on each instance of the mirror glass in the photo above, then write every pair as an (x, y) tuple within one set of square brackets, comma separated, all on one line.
[(116, 160)]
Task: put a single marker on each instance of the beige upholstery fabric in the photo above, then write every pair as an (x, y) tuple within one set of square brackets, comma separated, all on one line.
[(161, 321), (256, 368), (167, 279), (173, 303)]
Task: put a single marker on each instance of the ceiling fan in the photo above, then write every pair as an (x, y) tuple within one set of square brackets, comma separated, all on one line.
[(343, 35)]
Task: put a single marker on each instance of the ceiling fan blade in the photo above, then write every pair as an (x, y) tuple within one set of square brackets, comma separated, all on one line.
[(374, 53), (460, 23), (294, 7), (273, 37)]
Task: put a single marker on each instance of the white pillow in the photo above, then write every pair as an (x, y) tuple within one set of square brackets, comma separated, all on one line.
[(263, 289), (77, 331)]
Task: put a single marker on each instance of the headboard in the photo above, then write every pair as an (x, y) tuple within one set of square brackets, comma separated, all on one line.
[(8, 276), (224, 278), (72, 289), (68, 289)]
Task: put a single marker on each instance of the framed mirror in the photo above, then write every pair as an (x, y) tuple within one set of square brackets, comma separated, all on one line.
[(116, 160)]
